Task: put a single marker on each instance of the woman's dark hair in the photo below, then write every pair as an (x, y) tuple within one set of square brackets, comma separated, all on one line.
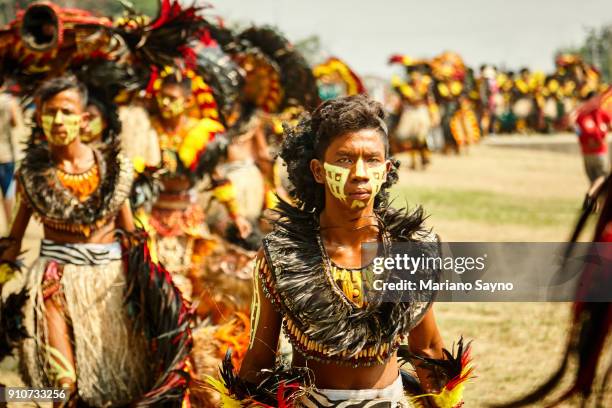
[(59, 84), (313, 135)]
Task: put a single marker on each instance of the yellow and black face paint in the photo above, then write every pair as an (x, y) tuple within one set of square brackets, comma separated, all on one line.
[(336, 178), (170, 109), (71, 122), (94, 130)]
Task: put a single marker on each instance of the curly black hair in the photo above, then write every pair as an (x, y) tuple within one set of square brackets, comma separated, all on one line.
[(313, 135)]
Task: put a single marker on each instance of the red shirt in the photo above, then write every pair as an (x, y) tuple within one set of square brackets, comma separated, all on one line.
[(593, 127)]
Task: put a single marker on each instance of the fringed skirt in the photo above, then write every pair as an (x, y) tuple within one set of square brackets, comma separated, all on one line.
[(111, 359)]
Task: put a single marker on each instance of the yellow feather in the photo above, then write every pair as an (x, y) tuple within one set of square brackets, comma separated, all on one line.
[(227, 401)]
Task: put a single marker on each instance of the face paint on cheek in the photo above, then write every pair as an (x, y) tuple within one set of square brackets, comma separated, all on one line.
[(336, 178), (47, 124), (170, 109), (377, 176), (95, 127), (73, 127), (71, 123)]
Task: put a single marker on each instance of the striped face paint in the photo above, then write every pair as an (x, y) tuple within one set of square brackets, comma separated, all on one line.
[(95, 127), (336, 178), (377, 176), (170, 109), (71, 122)]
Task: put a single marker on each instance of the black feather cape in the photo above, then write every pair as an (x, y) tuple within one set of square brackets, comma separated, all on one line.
[(56, 206), (301, 290)]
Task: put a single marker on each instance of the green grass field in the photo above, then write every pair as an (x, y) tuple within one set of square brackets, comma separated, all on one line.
[(492, 207)]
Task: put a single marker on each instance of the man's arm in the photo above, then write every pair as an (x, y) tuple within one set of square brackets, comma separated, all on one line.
[(125, 220), (265, 329), (17, 231), (15, 114), (425, 340), (225, 192)]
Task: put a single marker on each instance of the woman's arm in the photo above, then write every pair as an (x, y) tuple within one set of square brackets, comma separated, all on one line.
[(425, 340), (265, 326)]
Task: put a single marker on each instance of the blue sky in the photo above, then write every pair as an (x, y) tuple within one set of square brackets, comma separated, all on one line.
[(364, 33)]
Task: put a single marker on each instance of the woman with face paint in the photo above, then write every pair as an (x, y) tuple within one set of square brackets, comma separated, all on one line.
[(309, 278), (78, 333)]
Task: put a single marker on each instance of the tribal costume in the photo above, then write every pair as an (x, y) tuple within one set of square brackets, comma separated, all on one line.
[(523, 102), (274, 77), (328, 316), (112, 343), (335, 78), (591, 319), (179, 233), (417, 112), (120, 307), (189, 153), (46, 40), (459, 121)]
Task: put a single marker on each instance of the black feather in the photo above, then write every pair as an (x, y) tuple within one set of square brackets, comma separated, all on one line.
[(293, 251), (12, 329), (159, 309)]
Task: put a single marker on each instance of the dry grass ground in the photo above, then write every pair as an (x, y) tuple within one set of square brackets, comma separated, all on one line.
[(502, 194), (493, 194)]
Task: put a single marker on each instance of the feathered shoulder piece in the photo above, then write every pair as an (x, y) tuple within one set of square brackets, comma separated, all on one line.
[(202, 145), (57, 207), (276, 75), (449, 373), (297, 82), (278, 387), (319, 319)]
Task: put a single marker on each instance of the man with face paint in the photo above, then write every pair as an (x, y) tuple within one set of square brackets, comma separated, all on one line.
[(310, 281), (190, 150), (96, 126), (75, 316)]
